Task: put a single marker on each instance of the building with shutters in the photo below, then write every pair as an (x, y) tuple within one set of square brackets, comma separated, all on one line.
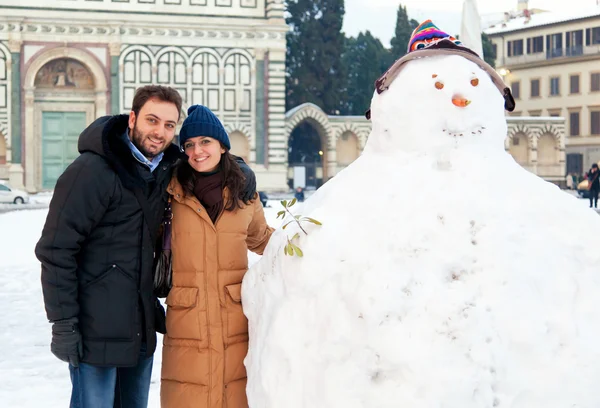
[(552, 63)]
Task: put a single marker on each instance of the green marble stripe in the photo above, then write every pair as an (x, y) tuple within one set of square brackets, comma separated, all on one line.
[(16, 107), (260, 112), (114, 80)]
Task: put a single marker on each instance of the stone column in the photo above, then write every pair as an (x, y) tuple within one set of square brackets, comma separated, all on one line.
[(115, 94), (33, 158), (562, 155), (533, 156), (260, 150), (15, 171), (275, 10), (271, 152), (276, 138), (332, 166)]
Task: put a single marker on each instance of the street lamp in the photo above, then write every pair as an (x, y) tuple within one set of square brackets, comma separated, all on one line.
[(503, 72)]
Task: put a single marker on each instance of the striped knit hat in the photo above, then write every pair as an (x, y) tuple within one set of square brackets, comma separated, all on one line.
[(426, 35), (427, 41)]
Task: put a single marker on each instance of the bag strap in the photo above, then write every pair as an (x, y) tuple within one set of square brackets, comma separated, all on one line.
[(143, 202), (168, 228)]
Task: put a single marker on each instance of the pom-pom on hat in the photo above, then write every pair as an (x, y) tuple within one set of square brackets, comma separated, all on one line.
[(428, 40), (201, 121)]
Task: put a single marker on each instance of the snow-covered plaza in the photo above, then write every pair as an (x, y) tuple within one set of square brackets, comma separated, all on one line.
[(30, 376)]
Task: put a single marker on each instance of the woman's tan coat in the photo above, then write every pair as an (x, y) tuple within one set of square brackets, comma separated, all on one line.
[(207, 332)]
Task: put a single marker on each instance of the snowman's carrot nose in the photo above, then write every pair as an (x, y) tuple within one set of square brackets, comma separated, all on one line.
[(459, 101)]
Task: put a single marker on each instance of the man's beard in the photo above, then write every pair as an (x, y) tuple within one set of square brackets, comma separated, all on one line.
[(137, 138)]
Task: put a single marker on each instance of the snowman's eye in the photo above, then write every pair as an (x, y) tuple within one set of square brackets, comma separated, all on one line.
[(474, 81), (439, 85)]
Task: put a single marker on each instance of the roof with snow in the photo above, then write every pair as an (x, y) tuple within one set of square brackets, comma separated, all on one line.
[(542, 19)]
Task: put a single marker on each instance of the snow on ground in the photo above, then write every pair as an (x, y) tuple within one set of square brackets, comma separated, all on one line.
[(36, 201), (41, 198), (30, 376)]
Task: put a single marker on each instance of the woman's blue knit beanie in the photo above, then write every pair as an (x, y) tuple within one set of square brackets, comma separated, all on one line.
[(202, 122)]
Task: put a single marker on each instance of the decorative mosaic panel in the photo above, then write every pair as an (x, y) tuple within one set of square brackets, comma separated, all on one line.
[(64, 73)]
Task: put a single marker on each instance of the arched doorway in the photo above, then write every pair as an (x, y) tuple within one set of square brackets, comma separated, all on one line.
[(547, 150), (65, 89), (239, 145), (60, 129), (347, 149), (518, 148), (306, 157)]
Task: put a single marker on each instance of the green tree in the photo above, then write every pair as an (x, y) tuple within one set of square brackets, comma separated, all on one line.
[(404, 29), (366, 59), (314, 46), (414, 24), (489, 52)]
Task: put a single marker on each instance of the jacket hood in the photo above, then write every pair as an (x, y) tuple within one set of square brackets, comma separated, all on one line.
[(91, 139)]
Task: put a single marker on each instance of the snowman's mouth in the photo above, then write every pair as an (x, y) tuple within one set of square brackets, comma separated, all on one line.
[(461, 133)]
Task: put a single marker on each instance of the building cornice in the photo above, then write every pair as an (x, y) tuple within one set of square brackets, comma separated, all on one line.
[(547, 62), (538, 27), (149, 10), (261, 32)]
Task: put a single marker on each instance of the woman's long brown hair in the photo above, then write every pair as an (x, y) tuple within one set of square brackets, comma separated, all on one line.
[(233, 178)]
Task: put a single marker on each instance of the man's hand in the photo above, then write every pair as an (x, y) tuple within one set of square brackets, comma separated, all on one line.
[(66, 341)]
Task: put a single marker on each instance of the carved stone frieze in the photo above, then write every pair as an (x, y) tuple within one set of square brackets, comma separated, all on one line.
[(74, 29)]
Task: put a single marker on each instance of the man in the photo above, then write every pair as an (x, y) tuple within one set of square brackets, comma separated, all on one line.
[(97, 251), (299, 194)]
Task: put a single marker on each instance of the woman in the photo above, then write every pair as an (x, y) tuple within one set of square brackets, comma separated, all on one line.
[(212, 230), (594, 185)]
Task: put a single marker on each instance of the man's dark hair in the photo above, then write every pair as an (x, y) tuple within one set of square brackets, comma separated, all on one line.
[(162, 93)]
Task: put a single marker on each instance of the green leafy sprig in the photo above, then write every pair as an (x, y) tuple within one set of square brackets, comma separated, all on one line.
[(291, 248)]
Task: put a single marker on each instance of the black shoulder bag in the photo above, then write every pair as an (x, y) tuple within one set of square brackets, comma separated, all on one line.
[(163, 271), (162, 265)]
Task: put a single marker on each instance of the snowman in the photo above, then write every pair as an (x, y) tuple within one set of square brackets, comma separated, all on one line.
[(444, 274)]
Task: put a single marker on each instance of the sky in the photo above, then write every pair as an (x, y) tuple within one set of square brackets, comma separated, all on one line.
[(379, 16)]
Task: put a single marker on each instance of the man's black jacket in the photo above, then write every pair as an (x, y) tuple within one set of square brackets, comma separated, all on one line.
[(96, 248)]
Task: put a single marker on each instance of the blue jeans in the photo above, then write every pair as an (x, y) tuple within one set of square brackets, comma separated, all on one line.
[(111, 387)]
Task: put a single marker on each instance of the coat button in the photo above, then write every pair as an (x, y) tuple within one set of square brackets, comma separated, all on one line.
[(199, 209), (177, 195), (114, 266)]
